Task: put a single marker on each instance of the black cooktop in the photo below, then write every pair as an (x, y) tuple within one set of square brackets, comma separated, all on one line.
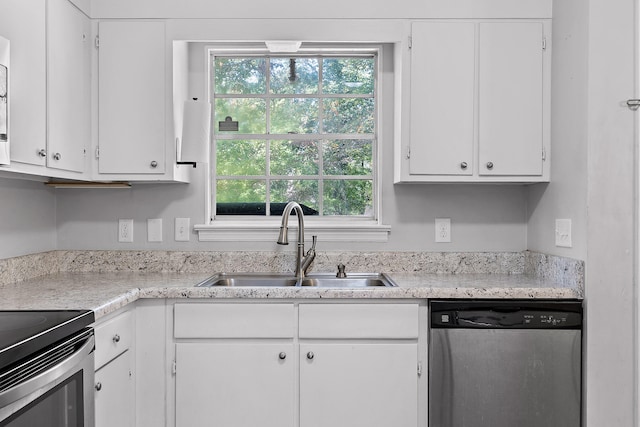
[(23, 333)]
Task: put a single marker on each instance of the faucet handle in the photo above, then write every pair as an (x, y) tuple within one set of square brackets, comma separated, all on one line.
[(309, 256), (341, 274), (314, 240)]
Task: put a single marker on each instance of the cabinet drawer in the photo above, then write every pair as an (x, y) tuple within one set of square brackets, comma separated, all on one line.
[(233, 320), (358, 321), (113, 337)]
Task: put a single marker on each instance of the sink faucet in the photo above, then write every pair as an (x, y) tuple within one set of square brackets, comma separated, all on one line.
[(303, 261)]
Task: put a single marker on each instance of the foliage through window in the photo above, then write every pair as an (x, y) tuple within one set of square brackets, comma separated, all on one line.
[(294, 128)]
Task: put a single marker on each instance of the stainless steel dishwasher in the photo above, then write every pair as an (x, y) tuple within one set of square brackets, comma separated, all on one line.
[(505, 363)]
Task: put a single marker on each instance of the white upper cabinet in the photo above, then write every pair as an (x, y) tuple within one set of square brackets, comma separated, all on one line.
[(134, 141), (511, 101), (442, 98), (135, 138), (24, 26), (50, 87), (131, 97), (68, 86), (479, 102)]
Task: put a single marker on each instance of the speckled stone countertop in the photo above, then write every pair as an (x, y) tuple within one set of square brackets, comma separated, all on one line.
[(108, 291)]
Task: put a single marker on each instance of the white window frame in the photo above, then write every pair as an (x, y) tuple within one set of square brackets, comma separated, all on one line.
[(225, 228)]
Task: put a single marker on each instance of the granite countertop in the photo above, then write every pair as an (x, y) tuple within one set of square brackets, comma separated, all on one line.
[(109, 291)]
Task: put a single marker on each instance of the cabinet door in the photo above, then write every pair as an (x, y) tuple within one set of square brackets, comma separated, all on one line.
[(69, 86), (23, 22), (442, 98), (510, 98), (131, 97), (115, 393), (358, 384), (235, 384)]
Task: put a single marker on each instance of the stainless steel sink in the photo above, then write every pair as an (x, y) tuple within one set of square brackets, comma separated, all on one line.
[(354, 280)]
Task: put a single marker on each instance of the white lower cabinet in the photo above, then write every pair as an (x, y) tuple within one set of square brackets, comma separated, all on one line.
[(115, 390), (238, 367), (235, 384), (358, 364), (114, 376), (245, 365), (357, 384)]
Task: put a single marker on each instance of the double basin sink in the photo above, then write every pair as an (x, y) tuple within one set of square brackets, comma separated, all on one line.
[(353, 280)]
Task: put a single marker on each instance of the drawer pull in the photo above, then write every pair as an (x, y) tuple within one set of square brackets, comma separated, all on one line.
[(98, 386), (310, 355), (116, 338), (282, 355)]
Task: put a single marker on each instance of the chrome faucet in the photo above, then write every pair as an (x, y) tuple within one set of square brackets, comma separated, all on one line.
[(303, 261)]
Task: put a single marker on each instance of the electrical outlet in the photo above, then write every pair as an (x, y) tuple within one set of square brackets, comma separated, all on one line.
[(125, 230), (563, 233), (154, 230), (443, 230), (182, 230)]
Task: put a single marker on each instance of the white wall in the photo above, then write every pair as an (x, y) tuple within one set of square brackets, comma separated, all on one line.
[(611, 397), (27, 218), (483, 217), (302, 9), (566, 195), (592, 183)]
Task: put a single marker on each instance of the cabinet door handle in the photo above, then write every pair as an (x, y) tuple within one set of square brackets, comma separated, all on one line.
[(57, 156), (116, 338), (98, 386), (310, 355), (463, 165), (633, 104), (154, 164), (282, 355), (489, 165), (42, 152)]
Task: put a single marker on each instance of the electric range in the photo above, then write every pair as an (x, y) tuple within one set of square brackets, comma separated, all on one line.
[(23, 333)]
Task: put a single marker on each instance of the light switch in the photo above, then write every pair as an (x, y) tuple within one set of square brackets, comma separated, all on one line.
[(154, 230), (182, 230), (563, 233)]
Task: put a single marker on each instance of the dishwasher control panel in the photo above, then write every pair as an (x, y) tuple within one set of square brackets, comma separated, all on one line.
[(506, 315)]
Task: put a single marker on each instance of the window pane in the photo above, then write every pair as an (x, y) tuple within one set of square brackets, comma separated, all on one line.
[(305, 192), (348, 197), (348, 75), (240, 190), (294, 75), (347, 157), (250, 113), (348, 115), (241, 157), (294, 115), (294, 158), (240, 75)]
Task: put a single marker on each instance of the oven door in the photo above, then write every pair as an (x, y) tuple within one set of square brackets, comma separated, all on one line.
[(54, 388)]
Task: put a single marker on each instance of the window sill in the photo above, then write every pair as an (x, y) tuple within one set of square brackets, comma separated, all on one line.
[(251, 231)]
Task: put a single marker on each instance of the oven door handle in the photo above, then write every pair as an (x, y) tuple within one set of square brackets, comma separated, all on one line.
[(53, 375)]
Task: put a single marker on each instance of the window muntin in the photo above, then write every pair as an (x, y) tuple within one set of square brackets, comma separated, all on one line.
[(306, 131)]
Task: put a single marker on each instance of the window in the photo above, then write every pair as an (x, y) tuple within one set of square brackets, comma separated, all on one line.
[(294, 127)]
